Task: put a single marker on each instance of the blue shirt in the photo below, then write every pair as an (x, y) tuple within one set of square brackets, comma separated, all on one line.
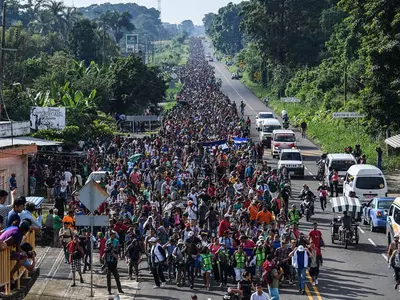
[(12, 217)]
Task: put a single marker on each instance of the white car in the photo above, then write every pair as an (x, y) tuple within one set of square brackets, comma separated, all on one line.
[(293, 161), (96, 176), (263, 116), (266, 128)]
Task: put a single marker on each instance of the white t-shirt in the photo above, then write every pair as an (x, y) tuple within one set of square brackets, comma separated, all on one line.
[(263, 296)]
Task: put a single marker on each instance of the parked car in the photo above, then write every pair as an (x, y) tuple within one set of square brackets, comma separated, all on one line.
[(375, 212)]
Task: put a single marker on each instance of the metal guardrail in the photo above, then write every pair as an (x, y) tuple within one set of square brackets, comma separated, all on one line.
[(7, 265)]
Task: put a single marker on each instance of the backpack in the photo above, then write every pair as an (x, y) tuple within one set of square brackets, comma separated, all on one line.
[(273, 186), (268, 268)]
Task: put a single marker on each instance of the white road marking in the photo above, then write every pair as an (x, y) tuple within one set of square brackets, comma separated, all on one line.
[(362, 231), (384, 256), (244, 100), (305, 168), (372, 242), (309, 173)]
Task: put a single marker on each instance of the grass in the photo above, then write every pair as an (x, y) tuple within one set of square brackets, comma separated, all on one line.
[(172, 54), (174, 91), (332, 136), (169, 106)]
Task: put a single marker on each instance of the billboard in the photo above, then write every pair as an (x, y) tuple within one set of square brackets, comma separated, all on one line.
[(47, 117), (131, 40)]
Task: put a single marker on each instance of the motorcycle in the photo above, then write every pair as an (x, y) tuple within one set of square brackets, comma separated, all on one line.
[(286, 124), (307, 209)]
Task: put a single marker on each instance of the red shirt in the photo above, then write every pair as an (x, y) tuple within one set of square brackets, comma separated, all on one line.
[(316, 237), (223, 226), (102, 246), (211, 191), (248, 244)]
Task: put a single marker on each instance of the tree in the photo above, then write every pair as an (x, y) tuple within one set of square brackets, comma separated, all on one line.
[(117, 22), (286, 31), (187, 26), (376, 24), (208, 22), (56, 9), (134, 85), (83, 41), (225, 32)]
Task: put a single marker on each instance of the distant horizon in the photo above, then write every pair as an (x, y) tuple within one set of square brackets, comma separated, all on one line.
[(188, 9)]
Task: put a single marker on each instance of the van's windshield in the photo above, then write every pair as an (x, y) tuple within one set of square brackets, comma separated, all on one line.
[(370, 183), (342, 165), (285, 138), (270, 128)]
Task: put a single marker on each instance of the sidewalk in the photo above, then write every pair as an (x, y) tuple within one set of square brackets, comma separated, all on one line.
[(55, 280)]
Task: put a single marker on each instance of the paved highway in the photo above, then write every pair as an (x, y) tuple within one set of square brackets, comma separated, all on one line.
[(361, 271)]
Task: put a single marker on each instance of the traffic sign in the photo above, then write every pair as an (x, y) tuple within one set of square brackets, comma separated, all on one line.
[(290, 99), (132, 39), (85, 220), (92, 195), (347, 115)]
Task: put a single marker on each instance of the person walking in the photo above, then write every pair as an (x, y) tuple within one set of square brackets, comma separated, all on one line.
[(300, 262), (206, 266), (65, 235), (75, 251), (379, 153), (56, 228), (110, 257), (240, 259), (134, 253), (395, 263), (314, 263), (334, 182), (157, 258)]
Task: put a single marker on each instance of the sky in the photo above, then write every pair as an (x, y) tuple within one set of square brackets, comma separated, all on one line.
[(172, 11)]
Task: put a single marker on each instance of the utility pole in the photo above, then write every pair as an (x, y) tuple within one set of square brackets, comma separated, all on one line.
[(345, 83), (3, 41)]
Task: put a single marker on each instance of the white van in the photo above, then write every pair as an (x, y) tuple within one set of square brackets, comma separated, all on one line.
[(341, 162), (266, 128), (282, 139), (367, 181)]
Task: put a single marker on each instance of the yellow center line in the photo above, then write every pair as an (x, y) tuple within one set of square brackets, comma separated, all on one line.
[(310, 297), (314, 287)]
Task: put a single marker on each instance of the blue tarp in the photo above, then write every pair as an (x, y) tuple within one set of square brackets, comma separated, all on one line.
[(214, 143), (238, 140)]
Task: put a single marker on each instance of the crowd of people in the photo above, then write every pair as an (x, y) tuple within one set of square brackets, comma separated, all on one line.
[(191, 201)]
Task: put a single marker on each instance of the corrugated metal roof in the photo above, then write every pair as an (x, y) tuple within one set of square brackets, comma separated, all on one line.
[(26, 140), (393, 141)]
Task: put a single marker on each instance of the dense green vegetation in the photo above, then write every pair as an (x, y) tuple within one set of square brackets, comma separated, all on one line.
[(333, 55), (64, 59)]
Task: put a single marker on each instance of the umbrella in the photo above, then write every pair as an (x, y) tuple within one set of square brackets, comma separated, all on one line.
[(135, 157)]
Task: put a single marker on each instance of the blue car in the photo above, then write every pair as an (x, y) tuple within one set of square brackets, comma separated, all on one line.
[(375, 212)]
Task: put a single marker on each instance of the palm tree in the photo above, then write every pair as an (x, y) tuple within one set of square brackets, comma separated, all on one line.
[(42, 24), (69, 17), (121, 22), (117, 22), (56, 9)]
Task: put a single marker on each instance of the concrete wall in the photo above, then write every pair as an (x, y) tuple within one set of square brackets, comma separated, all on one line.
[(19, 166), (18, 128)]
